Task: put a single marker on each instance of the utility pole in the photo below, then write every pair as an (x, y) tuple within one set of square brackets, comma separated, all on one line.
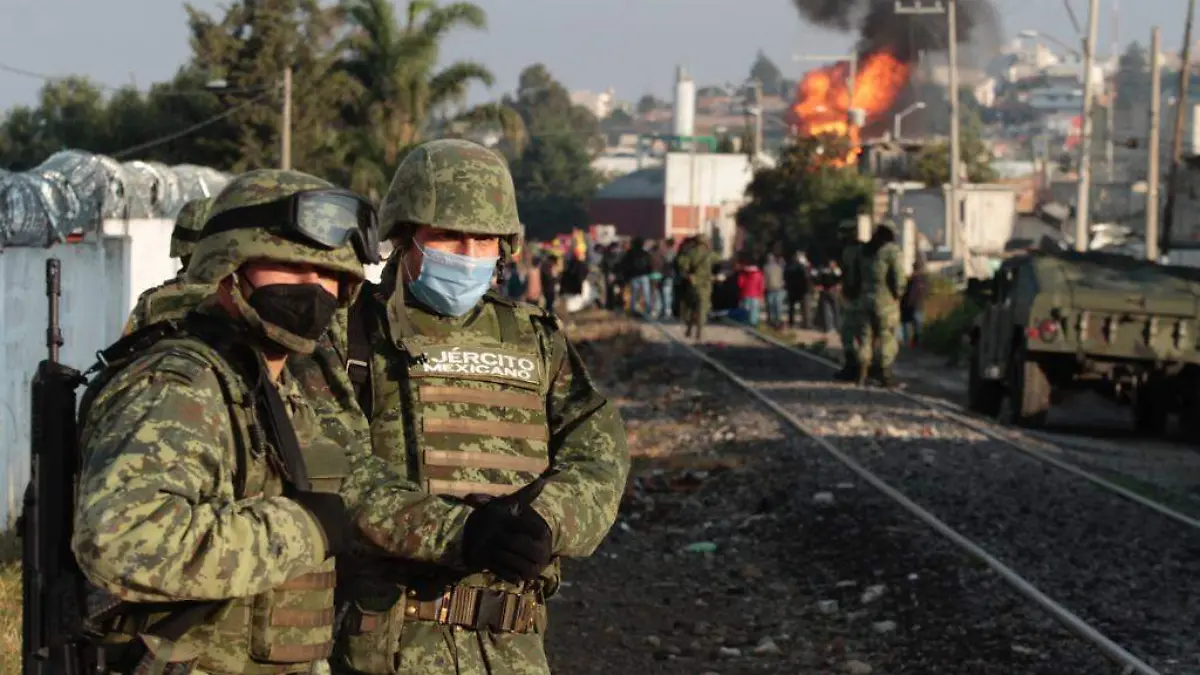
[(1181, 106), (950, 9), (758, 118), (1083, 206), (285, 132), (1152, 170), (1110, 113)]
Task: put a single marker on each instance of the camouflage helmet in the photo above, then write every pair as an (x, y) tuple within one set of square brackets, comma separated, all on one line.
[(455, 185), (187, 227), (219, 255)]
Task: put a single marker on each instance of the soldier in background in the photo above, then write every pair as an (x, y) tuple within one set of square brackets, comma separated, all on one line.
[(851, 288), (175, 298), (695, 272), (879, 305)]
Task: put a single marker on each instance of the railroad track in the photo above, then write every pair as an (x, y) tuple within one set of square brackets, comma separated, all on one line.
[(1118, 570)]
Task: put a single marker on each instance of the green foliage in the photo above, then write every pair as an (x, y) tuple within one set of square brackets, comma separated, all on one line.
[(648, 103), (933, 164), (368, 84), (945, 334), (801, 201), (765, 71)]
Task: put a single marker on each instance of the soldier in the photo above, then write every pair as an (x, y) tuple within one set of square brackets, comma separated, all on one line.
[(695, 270), (472, 395), (851, 289), (882, 278), (175, 298), (209, 511)]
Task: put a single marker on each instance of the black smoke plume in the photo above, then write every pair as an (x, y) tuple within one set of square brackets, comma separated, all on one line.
[(904, 35)]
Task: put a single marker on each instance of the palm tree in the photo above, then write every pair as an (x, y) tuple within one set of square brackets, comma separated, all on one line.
[(400, 90)]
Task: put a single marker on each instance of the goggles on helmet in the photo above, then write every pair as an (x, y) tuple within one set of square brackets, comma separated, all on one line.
[(328, 218)]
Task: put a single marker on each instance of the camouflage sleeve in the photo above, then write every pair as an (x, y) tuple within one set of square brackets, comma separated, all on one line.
[(394, 515), (589, 458), (896, 270), (156, 518)]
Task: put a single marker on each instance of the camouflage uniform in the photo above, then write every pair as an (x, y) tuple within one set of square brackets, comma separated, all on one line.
[(882, 285), (695, 270), (851, 313), (175, 298), (181, 494), (481, 404)]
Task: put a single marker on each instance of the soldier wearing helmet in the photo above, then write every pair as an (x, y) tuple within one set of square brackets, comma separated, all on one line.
[(851, 289), (882, 285), (696, 274), (515, 459), (211, 501), (175, 298)]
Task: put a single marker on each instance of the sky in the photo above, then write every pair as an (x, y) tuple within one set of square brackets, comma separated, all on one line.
[(630, 45)]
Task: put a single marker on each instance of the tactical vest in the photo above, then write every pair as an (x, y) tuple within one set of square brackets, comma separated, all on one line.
[(282, 630), (461, 414)]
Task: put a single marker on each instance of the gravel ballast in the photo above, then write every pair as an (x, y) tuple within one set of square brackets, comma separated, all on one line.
[(1131, 573), (742, 547)]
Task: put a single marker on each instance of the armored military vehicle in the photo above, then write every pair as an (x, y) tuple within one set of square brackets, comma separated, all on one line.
[(1056, 321)]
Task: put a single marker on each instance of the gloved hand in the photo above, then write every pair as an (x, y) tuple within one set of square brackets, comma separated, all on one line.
[(507, 537), (329, 510)]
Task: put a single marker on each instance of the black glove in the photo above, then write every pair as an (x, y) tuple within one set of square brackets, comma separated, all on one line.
[(507, 537), (329, 510)]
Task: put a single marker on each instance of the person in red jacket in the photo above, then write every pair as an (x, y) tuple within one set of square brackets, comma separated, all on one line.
[(751, 288)]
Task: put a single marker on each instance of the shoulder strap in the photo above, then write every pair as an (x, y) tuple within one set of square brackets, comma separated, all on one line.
[(358, 359), (506, 317), (360, 326)]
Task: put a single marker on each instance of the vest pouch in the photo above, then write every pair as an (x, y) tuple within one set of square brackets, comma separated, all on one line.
[(369, 642), (293, 623)]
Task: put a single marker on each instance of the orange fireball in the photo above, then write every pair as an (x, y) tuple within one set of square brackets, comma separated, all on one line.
[(823, 97)]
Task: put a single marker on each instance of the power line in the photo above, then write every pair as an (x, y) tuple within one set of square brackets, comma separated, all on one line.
[(13, 70), (185, 132)]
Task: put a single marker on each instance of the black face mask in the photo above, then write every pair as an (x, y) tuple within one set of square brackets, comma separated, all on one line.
[(305, 310)]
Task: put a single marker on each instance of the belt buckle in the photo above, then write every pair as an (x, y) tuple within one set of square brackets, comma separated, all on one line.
[(443, 606), (490, 611)]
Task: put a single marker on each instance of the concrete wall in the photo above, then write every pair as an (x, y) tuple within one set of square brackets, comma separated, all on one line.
[(101, 279), (94, 306)]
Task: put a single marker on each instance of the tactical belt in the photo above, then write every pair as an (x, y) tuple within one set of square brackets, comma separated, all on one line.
[(470, 608)]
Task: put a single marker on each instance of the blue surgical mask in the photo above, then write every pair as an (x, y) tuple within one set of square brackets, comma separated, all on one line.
[(451, 284)]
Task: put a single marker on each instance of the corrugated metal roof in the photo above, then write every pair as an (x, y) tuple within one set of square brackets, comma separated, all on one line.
[(648, 183)]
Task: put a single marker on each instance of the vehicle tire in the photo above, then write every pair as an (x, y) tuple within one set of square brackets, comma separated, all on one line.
[(1151, 410), (983, 396), (1030, 390)]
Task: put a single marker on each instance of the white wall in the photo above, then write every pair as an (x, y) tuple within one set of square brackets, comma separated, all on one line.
[(93, 308), (718, 178), (150, 242)]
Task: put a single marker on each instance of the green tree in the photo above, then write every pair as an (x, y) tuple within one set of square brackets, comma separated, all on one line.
[(801, 200), (933, 164), (70, 114), (249, 47), (554, 182), (765, 71), (648, 103), (402, 88), (545, 106)]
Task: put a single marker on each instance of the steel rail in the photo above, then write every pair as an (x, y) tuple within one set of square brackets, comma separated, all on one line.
[(1070, 620), (947, 410)]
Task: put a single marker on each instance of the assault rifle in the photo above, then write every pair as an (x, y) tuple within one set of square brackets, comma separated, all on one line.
[(53, 641)]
